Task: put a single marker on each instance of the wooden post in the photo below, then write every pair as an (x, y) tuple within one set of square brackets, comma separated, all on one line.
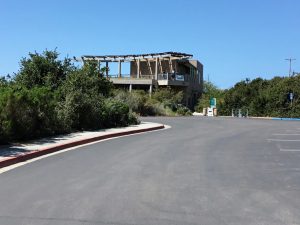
[(82, 61), (120, 68), (156, 69), (150, 89), (138, 69), (106, 69), (171, 66), (149, 66), (176, 68), (99, 68), (160, 66)]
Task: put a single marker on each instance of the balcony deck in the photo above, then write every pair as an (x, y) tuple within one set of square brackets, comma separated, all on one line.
[(163, 80)]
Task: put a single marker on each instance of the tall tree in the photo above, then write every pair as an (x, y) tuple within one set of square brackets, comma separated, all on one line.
[(209, 91), (44, 69)]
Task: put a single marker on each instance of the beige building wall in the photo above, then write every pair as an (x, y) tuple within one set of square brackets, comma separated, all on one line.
[(193, 70)]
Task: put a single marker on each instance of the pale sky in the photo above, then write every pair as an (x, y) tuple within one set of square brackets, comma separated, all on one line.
[(233, 39)]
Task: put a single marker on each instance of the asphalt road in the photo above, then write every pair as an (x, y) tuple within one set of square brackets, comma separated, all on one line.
[(201, 171)]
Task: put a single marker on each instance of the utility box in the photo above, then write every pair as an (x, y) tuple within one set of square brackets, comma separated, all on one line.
[(210, 112)]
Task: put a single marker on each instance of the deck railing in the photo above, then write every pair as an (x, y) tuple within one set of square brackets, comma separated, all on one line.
[(166, 76), (172, 76)]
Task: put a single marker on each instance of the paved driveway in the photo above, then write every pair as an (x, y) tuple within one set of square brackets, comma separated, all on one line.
[(201, 171)]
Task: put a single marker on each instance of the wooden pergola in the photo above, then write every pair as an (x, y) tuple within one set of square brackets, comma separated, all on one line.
[(129, 58), (135, 58)]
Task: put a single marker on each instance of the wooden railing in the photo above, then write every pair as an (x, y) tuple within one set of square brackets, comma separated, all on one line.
[(167, 76)]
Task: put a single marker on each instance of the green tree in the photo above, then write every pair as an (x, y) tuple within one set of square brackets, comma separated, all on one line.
[(43, 70), (82, 103), (3, 82), (209, 91), (264, 97), (27, 113), (135, 99), (116, 114), (168, 97), (87, 80), (50, 96)]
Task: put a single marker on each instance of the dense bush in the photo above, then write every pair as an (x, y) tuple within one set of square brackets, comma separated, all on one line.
[(183, 111), (82, 105), (27, 113), (264, 97), (117, 114), (50, 96), (43, 70), (81, 111), (153, 107), (135, 99), (163, 102), (169, 98), (258, 97), (209, 91)]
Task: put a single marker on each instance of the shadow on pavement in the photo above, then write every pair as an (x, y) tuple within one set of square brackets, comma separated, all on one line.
[(16, 149)]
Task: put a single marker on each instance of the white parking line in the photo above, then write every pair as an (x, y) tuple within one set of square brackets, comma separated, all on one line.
[(295, 134), (289, 150), (283, 140)]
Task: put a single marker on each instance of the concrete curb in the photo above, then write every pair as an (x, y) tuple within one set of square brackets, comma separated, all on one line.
[(287, 119), (55, 148), (264, 118), (275, 118), (260, 118), (250, 117)]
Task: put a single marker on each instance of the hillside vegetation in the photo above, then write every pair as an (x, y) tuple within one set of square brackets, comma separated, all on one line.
[(260, 97), (163, 102), (49, 96)]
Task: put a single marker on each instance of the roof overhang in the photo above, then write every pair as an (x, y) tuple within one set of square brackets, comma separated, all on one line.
[(129, 58)]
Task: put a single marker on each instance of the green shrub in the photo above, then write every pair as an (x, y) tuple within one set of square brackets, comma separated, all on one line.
[(26, 113), (163, 102), (116, 113), (43, 70), (183, 111), (49, 96), (135, 99), (80, 111), (153, 107), (168, 97), (133, 119), (82, 105), (264, 97)]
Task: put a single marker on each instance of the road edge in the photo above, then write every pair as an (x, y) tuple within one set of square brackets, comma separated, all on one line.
[(264, 118), (59, 147)]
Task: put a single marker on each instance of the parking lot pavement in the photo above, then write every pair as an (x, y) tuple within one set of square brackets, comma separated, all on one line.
[(201, 171)]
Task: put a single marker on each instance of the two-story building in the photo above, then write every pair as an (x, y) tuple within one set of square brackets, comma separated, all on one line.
[(156, 70)]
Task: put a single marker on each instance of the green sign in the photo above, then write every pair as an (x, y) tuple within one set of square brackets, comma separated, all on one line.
[(213, 102)]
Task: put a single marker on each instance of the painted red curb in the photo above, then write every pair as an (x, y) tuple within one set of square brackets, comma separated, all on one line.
[(44, 151)]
